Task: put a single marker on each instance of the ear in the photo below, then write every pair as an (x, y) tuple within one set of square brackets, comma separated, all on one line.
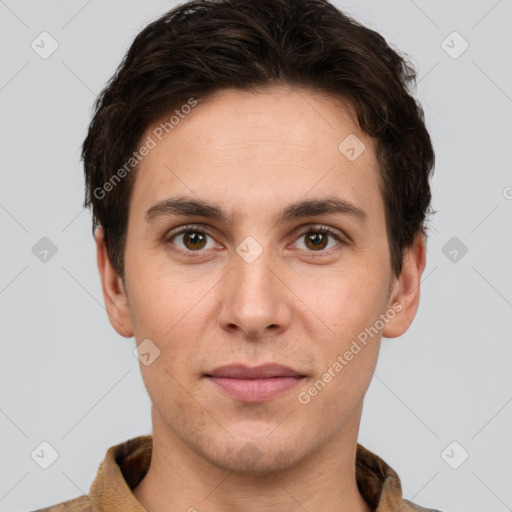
[(405, 295), (114, 295)]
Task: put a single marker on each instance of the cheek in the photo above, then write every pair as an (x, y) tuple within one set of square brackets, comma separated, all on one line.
[(344, 301), (173, 308), (162, 299), (348, 303), (347, 352), (170, 321)]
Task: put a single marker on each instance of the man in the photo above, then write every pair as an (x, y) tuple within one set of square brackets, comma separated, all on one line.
[(259, 180)]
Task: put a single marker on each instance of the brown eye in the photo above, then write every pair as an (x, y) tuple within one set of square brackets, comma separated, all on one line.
[(316, 240), (190, 239), (194, 240)]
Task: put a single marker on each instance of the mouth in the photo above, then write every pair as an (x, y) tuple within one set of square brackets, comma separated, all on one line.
[(254, 385)]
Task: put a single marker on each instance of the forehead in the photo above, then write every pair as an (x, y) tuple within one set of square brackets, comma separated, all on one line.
[(259, 150)]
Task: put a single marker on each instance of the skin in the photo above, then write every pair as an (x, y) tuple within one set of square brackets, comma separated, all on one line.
[(253, 154)]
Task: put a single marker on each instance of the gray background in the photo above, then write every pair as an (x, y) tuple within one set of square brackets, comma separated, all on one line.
[(68, 379)]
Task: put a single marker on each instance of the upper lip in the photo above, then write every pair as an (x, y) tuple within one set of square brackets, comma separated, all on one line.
[(241, 371)]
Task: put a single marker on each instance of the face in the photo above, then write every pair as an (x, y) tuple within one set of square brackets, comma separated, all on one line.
[(281, 258)]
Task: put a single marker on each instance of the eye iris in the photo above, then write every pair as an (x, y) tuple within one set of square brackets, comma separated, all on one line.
[(319, 240), (193, 238)]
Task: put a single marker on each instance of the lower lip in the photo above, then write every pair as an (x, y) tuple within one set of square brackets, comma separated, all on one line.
[(255, 390)]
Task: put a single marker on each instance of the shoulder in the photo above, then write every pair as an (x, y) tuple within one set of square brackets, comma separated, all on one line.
[(409, 506), (80, 504)]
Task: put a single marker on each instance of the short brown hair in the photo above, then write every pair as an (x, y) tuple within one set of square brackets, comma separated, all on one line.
[(204, 46)]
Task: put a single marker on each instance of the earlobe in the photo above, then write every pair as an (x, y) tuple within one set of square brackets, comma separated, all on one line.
[(114, 293), (405, 296)]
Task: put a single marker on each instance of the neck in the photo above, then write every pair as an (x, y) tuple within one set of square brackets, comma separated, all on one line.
[(180, 479)]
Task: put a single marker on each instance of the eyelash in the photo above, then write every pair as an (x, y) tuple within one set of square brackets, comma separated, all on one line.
[(200, 229)]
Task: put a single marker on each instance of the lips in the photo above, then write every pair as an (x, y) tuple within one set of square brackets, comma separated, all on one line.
[(240, 371), (254, 385)]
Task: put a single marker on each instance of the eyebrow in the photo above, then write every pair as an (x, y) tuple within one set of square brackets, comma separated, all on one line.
[(308, 208)]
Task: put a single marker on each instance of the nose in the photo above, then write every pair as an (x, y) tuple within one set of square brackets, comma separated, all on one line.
[(255, 298)]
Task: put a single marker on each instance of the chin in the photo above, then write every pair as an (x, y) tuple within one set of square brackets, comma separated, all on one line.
[(257, 455)]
